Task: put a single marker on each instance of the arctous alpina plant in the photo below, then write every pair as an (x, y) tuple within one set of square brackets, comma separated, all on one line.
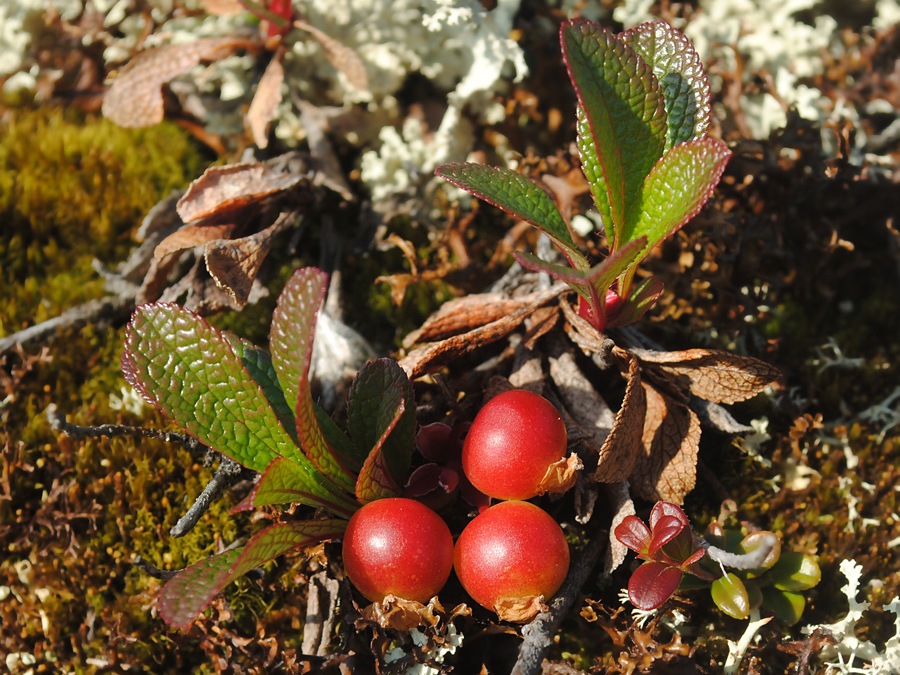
[(761, 576), (642, 131)]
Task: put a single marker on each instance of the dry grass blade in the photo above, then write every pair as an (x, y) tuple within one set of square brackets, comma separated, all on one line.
[(718, 376), (344, 59), (224, 188), (666, 469), (135, 98), (617, 457), (266, 100)]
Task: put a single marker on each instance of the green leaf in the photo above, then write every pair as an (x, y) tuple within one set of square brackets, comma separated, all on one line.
[(258, 363), (795, 572), (787, 606), (516, 194), (288, 482), (641, 298), (190, 371), (680, 73), (184, 597), (730, 596), (623, 106), (676, 190), (381, 417), (590, 167), (291, 342)]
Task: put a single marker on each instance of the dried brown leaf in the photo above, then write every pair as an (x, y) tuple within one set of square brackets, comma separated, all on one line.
[(666, 468), (539, 324), (189, 236), (713, 375), (620, 451), (344, 59), (266, 100), (586, 407), (233, 264), (581, 332), (461, 315), (621, 506), (328, 168), (135, 98), (224, 188)]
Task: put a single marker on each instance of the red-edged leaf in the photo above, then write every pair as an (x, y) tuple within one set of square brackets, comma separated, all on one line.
[(661, 509), (664, 530), (519, 196), (188, 593), (291, 343), (680, 73), (285, 482), (634, 534), (623, 132), (381, 417), (652, 584)]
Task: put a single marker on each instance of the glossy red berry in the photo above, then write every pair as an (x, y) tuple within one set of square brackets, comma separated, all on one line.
[(397, 546), (513, 440), (510, 554)]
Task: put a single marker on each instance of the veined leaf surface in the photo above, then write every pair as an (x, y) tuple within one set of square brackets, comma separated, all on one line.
[(188, 593), (680, 73), (288, 482), (291, 343), (190, 371), (623, 106)]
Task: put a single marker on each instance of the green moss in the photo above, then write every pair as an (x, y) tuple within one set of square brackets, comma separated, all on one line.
[(72, 190)]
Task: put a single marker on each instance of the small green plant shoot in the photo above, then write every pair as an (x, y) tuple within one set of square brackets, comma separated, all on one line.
[(256, 408), (642, 122)]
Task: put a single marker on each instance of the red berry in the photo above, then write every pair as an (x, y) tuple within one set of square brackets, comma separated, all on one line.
[(511, 553), (397, 546), (514, 438)]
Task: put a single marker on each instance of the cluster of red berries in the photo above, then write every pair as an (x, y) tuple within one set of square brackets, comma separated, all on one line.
[(511, 553)]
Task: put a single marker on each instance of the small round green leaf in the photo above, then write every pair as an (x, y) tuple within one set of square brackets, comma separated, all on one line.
[(795, 572), (730, 595)]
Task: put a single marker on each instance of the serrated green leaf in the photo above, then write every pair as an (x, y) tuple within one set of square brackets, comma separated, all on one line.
[(680, 73), (590, 167), (381, 417), (675, 191), (291, 343), (340, 441), (641, 298), (730, 596), (516, 194), (189, 370), (184, 597), (623, 106), (288, 482)]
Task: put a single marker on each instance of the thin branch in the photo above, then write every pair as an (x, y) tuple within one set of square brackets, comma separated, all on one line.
[(58, 423), (225, 475), (538, 635)]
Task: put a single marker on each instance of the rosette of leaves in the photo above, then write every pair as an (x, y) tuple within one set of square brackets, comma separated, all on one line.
[(256, 408), (642, 122), (761, 576)]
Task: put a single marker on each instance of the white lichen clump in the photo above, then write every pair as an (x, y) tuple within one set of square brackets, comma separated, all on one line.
[(850, 654)]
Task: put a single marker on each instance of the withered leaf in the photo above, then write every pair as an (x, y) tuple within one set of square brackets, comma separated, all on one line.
[(539, 324), (520, 610), (135, 97), (234, 263), (620, 451), (223, 188), (463, 314), (666, 467), (190, 236), (714, 375), (344, 59), (561, 475), (581, 332), (621, 506), (266, 100), (587, 408)]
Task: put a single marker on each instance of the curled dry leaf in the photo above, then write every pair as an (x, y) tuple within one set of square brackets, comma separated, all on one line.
[(344, 59), (666, 469), (461, 315), (402, 615), (190, 236), (234, 263), (617, 457), (520, 610), (621, 506), (135, 98), (266, 100), (713, 375), (224, 188)]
